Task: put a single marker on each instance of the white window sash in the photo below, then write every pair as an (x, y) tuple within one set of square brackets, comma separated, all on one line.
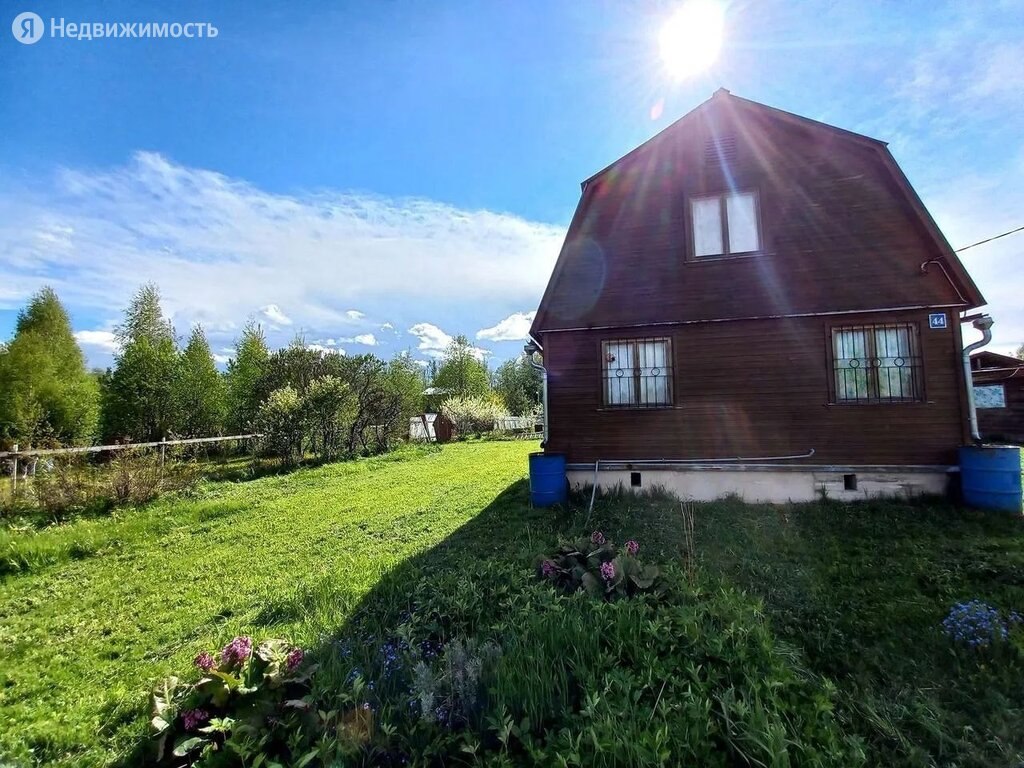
[(706, 215), (620, 384), (741, 222)]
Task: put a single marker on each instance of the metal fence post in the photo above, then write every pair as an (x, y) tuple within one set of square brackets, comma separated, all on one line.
[(163, 452), (14, 476)]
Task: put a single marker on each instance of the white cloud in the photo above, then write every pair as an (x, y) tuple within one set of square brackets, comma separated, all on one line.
[(515, 327), (274, 314), (221, 359), (367, 339), (220, 246), (100, 340), (434, 341), (387, 327), (329, 350)]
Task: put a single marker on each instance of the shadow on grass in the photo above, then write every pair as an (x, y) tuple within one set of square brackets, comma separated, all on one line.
[(860, 589), (507, 533)]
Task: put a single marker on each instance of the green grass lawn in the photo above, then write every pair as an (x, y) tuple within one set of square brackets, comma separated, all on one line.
[(109, 605), (92, 612)]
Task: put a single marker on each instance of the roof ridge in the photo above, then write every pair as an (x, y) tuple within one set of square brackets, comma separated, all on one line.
[(721, 93)]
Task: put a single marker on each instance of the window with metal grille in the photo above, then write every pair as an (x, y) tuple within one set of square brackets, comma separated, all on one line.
[(637, 373), (877, 364)]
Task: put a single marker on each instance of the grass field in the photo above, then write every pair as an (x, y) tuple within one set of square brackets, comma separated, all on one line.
[(92, 612), (102, 607)]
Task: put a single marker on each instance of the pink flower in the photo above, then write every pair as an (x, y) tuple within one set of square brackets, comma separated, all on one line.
[(204, 661), (547, 568), (632, 547), (237, 651), (294, 659), (597, 538), (193, 718), (608, 571)]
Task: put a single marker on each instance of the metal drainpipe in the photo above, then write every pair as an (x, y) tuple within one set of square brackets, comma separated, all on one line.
[(531, 348), (983, 324)]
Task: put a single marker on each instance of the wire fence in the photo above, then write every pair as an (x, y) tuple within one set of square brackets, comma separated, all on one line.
[(23, 464)]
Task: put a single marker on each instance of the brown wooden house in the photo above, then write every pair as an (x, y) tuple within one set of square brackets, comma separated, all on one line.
[(999, 396), (753, 302)]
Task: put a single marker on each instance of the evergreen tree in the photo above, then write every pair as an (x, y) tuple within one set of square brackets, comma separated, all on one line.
[(199, 389), (46, 393), (139, 394), (244, 376), (461, 373), (143, 319)]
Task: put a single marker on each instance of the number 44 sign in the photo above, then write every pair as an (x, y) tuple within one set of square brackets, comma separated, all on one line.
[(937, 320)]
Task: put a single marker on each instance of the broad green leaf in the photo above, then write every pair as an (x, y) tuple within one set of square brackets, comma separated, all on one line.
[(186, 746)]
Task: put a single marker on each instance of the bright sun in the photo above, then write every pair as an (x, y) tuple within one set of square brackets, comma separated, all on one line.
[(690, 39)]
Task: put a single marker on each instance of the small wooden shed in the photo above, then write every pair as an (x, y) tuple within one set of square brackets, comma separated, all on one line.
[(999, 396)]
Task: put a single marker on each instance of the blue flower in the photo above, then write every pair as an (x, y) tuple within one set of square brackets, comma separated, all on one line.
[(976, 624)]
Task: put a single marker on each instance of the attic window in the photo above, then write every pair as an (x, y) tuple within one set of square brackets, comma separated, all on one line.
[(720, 149), (725, 225)]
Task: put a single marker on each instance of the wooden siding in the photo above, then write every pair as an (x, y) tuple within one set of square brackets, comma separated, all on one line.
[(838, 231), (1001, 424), (753, 388)]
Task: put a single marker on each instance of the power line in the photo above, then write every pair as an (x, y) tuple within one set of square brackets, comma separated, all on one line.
[(990, 239)]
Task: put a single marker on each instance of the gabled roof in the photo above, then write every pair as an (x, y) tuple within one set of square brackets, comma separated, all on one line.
[(725, 93), (987, 359), (742, 109)]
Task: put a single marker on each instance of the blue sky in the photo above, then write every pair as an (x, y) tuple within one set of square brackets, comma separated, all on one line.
[(380, 176)]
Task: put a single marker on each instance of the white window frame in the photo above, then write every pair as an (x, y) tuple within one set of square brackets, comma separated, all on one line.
[(723, 219)]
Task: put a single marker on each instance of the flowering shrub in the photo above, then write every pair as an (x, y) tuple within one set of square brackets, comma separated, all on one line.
[(249, 701), (472, 415), (976, 624), (595, 564)]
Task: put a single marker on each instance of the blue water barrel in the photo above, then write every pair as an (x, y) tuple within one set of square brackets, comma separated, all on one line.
[(990, 477), (547, 479)]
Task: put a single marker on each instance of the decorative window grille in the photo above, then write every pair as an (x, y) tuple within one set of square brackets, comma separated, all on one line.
[(725, 224), (877, 364), (637, 373)]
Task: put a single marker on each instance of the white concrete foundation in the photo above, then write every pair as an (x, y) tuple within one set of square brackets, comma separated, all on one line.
[(775, 486)]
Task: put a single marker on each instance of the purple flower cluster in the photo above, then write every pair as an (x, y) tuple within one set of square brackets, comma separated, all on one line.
[(597, 538), (976, 624), (193, 718), (392, 654), (204, 661), (294, 659), (608, 571), (237, 651), (547, 569), (430, 650), (632, 547)]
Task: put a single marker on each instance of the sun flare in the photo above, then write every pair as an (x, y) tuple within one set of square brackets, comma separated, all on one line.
[(690, 38)]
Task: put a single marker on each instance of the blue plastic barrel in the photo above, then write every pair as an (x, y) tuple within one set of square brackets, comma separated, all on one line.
[(990, 477), (547, 479)]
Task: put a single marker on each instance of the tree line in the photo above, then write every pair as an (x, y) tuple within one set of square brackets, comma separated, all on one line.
[(303, 400)]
